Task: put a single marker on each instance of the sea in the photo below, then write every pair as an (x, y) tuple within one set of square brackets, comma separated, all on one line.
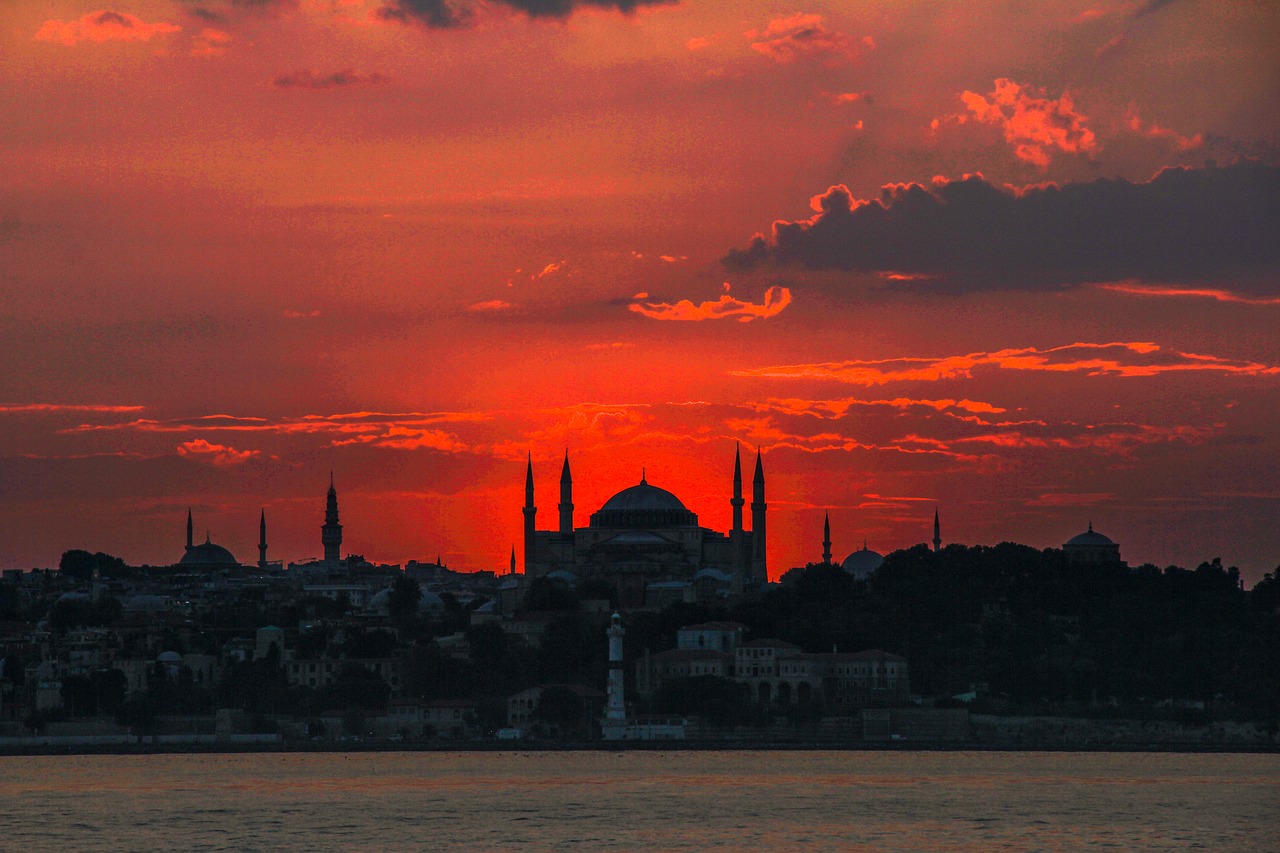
[(642, 801)]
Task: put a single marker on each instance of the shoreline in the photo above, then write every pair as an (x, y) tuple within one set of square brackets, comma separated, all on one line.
[(34, 750)]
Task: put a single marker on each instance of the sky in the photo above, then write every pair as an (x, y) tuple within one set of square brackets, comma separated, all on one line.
[(1017, 261)]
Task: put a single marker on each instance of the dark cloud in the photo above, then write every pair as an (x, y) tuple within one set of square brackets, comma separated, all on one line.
[(209, 16), (445, 14), (1152, 7), (1219, 225), (306, 79)]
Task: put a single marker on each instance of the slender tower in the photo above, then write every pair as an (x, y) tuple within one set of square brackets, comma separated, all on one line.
[(615, 704), (513, 561), (737, 535), (262, 540), (826, 539), (566, 497), (529, 512), (189, 542), (937, 531), (331, 531), (759, 570)]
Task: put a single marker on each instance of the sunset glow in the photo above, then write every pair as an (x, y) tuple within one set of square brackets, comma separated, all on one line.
[(1018, 262)]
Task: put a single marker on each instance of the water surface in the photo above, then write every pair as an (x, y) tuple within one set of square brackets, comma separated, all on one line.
[(653, 801)]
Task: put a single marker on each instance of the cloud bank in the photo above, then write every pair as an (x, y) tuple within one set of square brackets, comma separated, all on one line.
[(1184, 225)]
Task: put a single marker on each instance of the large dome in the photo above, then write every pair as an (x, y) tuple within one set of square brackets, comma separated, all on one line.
[(643, 505), (643, 496), (207, 554)]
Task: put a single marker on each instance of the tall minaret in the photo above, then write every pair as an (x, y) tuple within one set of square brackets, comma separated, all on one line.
[(937, 531), (189, 542), (529, 512), (615, 704), (262, 540), (513, 561), (737, 536), (759, 570), (566, 497), (826, 539), (331, 532)]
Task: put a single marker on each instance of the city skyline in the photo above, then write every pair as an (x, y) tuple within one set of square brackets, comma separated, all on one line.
[(1016, 262)]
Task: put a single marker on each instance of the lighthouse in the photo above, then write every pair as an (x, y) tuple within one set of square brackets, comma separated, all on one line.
[(615, 713)]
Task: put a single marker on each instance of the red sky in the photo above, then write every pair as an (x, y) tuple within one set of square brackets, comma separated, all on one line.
[(1014, 260)]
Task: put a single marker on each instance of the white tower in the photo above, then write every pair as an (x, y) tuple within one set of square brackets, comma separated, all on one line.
[(616, 705)]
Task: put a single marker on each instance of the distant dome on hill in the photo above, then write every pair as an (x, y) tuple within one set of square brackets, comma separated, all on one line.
[(207, 554), (862, 563), (1091, 547)]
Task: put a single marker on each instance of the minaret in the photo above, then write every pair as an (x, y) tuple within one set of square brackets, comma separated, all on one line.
[(937, 531), (826, 539), (759, 569), (262, 540), (331, 532), (737, 535), (615, 704), (189, 542), (529, 512), (513, 561), (566, 497)]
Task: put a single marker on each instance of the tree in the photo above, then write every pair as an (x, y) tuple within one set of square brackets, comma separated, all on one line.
[(357, 687), (723, 701), (562, 708), (402, 605), (80, 564), (547, 594)]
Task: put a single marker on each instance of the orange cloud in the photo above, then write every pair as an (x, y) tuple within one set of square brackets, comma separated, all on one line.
[(1202, 292), (402, 438), (839, 408), (1031, 122), (210, 42), (490, 305), (1125, 359), (1152, 130), (64, 407), (791, 37), (775, 300), (101, 26), (215, 454)]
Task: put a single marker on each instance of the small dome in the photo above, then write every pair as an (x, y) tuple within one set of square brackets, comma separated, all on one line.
[(564, 576), (862, 563), (207, 554), (73, 595), (146, 604), (381, 601), (430, 602), (169, 657)]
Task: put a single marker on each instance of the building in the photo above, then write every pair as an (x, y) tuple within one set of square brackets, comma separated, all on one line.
[(648, 544)]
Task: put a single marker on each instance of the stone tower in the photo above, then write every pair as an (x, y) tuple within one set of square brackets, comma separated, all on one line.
[(331, 531)]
